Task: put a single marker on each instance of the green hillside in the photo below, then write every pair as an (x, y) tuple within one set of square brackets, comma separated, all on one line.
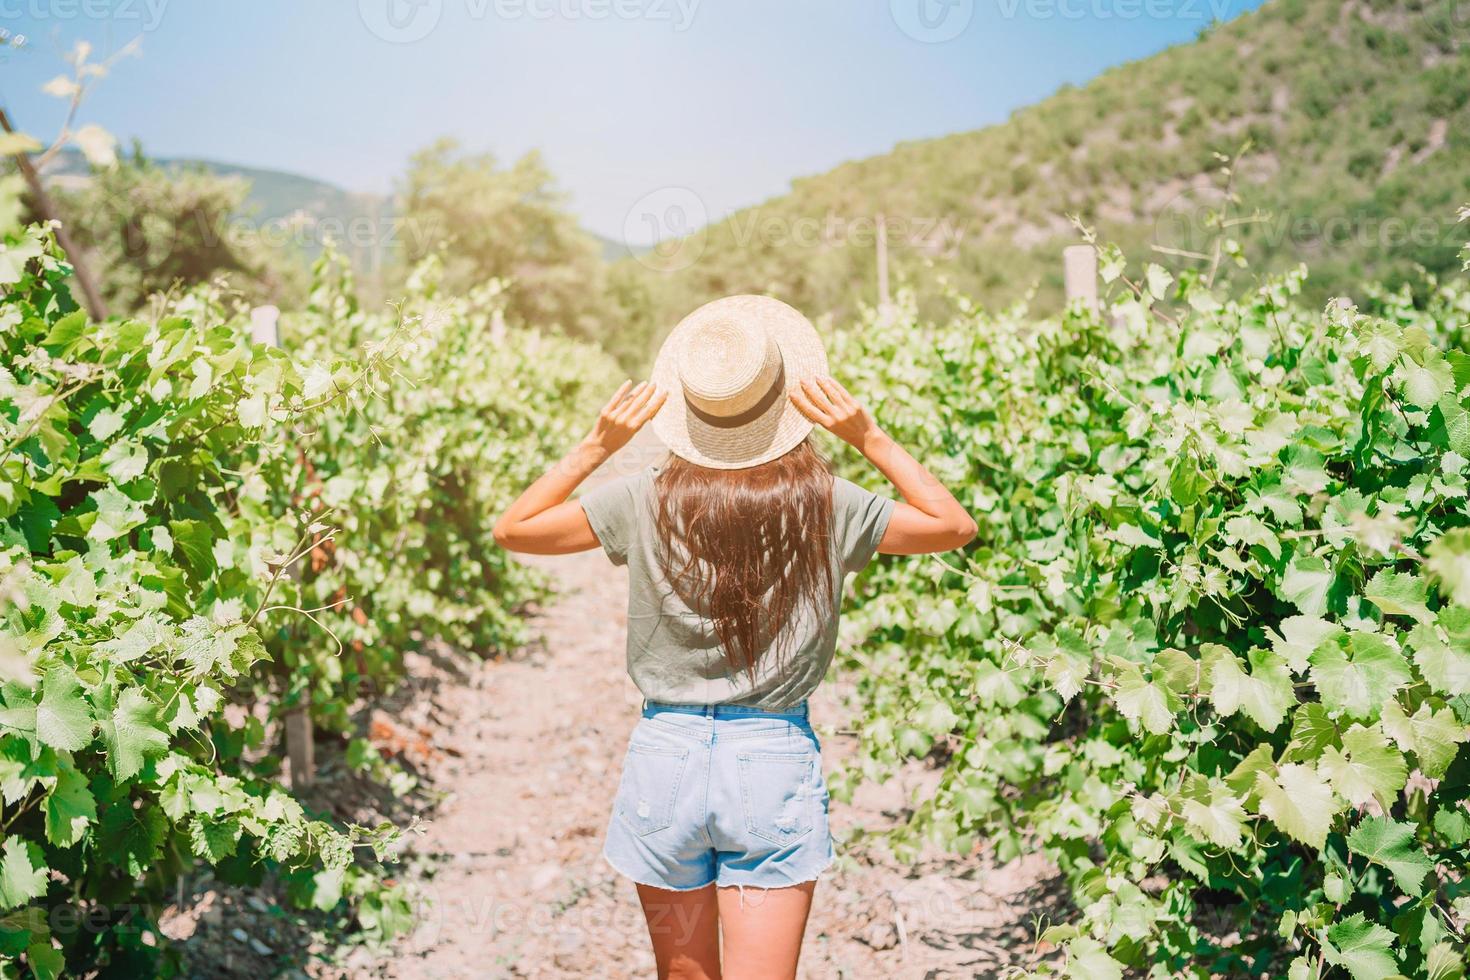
[(1355, 112), (277, 194)]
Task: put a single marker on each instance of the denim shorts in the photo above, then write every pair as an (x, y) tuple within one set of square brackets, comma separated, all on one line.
[(720, 794)]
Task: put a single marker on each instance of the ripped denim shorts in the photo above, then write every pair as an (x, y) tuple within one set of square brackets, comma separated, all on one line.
[(720, 794)]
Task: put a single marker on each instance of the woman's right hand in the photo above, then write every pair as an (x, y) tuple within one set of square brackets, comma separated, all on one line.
[(828, 404), (629, 409)]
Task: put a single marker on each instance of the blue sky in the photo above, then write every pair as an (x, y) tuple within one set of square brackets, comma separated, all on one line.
[(727, 100)]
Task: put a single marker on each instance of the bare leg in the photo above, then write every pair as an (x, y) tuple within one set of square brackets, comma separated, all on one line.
[(685, 929), (763, 930)]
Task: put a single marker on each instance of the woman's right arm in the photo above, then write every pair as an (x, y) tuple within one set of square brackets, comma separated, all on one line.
[(929, 519), (542, 521)]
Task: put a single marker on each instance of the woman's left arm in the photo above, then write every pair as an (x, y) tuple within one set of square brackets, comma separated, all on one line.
[(542, 521)]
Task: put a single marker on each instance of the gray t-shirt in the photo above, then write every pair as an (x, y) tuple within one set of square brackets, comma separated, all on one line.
[(673, 654)]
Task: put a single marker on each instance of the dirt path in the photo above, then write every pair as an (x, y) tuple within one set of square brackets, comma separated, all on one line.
[(517, 882)]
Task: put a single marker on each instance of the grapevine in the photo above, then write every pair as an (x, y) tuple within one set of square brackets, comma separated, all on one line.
[(200, 533), (1211, 647)]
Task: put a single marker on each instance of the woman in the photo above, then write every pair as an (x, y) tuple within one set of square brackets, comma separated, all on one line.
[(736, 547)]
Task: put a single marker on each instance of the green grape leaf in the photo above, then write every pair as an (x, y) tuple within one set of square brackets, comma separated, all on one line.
[(104, 424), (1299, 636), (1178, 671), (13, 259), (1305, 471), (18, 769), (1142, 701), (1158, 279), (139, 638), (1358, 673), (1312, 731), (22, 872), (1135, 537), (1444, 963), (46, 961), (1242, 779), (19, 712), (209, 648), (1442, 651), (1453, 824), (1366, 768), (1263, 696), (19, 928), (1298, 801), (69, 807), (1433, 736), (326, 889), (1088, 959), (1361, 947), (1279, 501), (1301, 969), (214, 838), (117, 514), (131, 734), (1424, 384), (1392, 845), (1448, 561), (1306, 583), (1066, 672), (1400, 594), (196, 540), (1249, 530), (63, 717), (132, 838), (1217, 820)]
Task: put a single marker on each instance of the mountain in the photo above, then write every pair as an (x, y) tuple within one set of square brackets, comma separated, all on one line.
[(613, 250), (274, 194), (1356, 116)]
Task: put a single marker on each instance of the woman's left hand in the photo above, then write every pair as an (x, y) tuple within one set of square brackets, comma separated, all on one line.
[(629, 409)]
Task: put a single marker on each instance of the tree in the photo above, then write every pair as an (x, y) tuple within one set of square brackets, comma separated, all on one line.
[(150, 228), (509, 223)]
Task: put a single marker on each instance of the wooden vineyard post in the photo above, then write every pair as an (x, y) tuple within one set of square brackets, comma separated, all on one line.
[(263, 325), (300, 749), (1079, 270)]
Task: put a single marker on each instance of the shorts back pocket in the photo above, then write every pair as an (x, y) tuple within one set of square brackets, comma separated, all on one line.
[(778, 791), (650, 786)]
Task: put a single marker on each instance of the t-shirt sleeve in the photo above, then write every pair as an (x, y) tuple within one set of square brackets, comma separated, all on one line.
[(859, 518), (612, 510)]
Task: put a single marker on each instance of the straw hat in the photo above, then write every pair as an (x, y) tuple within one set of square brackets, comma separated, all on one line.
[(728, 367)]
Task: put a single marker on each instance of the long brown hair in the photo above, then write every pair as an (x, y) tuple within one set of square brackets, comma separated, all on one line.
[(747, 549)]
